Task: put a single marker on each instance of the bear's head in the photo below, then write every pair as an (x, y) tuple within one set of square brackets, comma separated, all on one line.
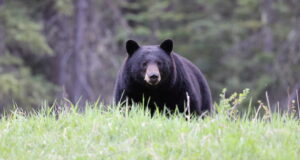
[(149, 65)]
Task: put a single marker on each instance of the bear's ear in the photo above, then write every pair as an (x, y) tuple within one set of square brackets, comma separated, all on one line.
[(131, 47), (167, 46)]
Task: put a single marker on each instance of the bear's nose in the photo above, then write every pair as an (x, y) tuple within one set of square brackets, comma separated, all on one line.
[(153, 77)]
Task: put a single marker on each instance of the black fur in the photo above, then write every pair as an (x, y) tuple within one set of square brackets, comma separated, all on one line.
[(179, 77)]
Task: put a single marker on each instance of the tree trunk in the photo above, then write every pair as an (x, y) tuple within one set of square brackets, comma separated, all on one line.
[(2, 36), (267, 19), (81, 90)]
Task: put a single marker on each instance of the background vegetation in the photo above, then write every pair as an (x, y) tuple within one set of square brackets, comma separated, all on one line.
[(73, 48)]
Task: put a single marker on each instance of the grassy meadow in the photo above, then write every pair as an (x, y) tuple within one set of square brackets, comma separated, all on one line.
[(117, 134)]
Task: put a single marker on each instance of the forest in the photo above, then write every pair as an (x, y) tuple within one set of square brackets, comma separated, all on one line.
[(53, 50)]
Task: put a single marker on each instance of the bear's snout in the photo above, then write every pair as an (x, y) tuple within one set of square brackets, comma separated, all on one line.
[(152, 75), (153, 78)]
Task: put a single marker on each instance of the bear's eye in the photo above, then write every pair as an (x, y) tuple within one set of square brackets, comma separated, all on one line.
[(159, 63), (144, 64)]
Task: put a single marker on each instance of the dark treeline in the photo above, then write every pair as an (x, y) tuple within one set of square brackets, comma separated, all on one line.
[(73, 48)]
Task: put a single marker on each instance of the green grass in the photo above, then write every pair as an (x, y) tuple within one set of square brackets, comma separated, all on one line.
[(98, 134)]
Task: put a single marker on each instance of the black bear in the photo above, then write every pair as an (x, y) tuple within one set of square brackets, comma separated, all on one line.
[(160, 78)]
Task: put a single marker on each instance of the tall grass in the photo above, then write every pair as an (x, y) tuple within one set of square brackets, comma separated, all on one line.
[(117, 133)]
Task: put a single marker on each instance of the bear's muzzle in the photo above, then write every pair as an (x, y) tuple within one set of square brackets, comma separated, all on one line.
[(152, 75)]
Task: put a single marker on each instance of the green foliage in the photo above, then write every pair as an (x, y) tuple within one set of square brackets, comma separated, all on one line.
[(22, 37), (100, 133), (19, 86), (229, 106), (65, 6), (21, 31)]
